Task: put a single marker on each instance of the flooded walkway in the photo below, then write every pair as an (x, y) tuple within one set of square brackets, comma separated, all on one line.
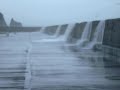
[(26, 65), (56, 68)]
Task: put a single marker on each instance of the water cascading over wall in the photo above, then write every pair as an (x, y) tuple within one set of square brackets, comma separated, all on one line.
[(68, 30), (57, 31), (50, 30), (60, 31), (76, 33), (85, 35), (90, 36), (42, 30), (48, 34), (63, 29), (82, 34), (97, 36), (94, 26)]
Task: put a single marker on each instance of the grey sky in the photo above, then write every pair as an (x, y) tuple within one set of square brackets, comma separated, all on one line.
[(51, 12)]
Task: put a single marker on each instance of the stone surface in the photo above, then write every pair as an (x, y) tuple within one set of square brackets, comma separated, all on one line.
[(14, 23)]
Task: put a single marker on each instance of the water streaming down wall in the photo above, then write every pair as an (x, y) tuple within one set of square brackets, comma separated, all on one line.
[(54, 37), (42, 30), (97, 36), (50, 30), (77, 32), (84, 38), (60, 32), (69, 29), (63, 29), (85, 35), (85, 41), (47, 36), (43, 34), (57, 32)]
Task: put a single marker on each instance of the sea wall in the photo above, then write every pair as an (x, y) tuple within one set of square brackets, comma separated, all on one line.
[(94, 26), (19, 29), (112, 33), (111, 40), (63, 29), (50, 30), (76, 32)]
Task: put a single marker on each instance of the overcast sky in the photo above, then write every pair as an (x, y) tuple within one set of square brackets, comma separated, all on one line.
[(51, 12)]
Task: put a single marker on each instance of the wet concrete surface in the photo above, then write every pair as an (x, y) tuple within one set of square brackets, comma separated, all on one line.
[(55, 68), (49, 66)]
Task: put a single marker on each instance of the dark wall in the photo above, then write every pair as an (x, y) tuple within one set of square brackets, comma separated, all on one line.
[(2, 21), (19, 29), (94, 26), (76, 32), (78, 29), (112, 33), (50, 30), (63, 29)]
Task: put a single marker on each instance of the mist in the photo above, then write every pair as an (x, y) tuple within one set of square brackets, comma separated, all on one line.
[(52, 12)]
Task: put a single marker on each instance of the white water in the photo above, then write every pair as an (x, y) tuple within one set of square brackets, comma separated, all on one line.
[(48, 38), (42, 34), (45, 36), (57, 31), (42, 30), (98, 35), (83, 42), (68, 31), (86, 34), (62, 38)]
